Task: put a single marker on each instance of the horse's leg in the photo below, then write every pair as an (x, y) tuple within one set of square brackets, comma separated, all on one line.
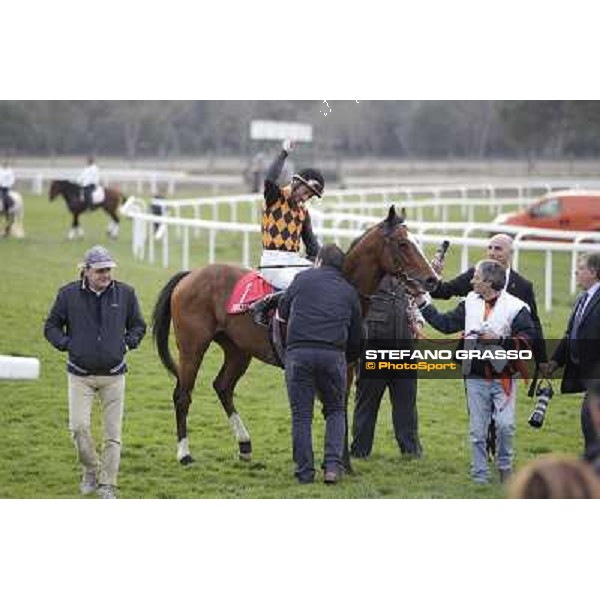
[(74, 225), (113, 225), (17, 222), (76, 229), (189, 363), (235, 364), (79, 228), (10, 219)]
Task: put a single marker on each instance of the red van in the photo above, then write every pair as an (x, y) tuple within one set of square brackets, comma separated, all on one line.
[(576, 210)]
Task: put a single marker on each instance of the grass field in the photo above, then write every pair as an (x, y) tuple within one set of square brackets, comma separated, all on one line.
[(37, 458)]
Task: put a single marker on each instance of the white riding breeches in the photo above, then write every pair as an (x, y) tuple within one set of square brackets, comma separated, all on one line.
[(274, 267)]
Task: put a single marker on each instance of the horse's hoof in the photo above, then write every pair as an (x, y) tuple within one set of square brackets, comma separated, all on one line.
[(245, 451), (186, 460)]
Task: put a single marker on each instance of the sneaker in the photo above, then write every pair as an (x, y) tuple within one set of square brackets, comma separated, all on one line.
[(107, 492), (88, 483), (331, 477), (505, 475)]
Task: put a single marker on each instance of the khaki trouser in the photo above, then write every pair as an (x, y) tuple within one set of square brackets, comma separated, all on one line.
[(111, 390)]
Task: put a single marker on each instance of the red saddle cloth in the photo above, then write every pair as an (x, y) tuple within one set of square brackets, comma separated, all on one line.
[(248, 289)]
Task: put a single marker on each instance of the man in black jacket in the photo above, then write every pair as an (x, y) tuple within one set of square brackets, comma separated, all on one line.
[(387, 322), (500, 250), (323, 317), (579, 350), (96, 320)]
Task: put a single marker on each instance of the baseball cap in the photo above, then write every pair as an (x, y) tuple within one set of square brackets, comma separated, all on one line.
[(98, 257)]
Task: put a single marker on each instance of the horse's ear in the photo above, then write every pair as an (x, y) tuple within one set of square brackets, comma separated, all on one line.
[(391, 218)]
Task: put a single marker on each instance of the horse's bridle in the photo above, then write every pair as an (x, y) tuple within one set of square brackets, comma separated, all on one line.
[(413, 286)]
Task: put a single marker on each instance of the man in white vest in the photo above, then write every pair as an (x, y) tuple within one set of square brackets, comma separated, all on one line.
[(490, 317)]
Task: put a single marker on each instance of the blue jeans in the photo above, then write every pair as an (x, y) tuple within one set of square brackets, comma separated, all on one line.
[(310, 371), (486, 398)]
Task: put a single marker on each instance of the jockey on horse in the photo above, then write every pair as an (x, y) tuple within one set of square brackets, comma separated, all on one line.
[(12, 203), (7, 180), (285, 220), (89, 179)]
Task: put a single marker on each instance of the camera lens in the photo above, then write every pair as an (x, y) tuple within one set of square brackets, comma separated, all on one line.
[(544, 394)]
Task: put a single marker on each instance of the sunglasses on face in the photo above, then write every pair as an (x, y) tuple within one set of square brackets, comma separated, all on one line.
[(495, 248), (103, 271)]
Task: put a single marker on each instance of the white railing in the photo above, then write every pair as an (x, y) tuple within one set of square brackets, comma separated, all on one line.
[(143, 236), (39, 178), (369, 201)]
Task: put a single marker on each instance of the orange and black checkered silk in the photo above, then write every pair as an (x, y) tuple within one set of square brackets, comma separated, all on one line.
[(282, 224)]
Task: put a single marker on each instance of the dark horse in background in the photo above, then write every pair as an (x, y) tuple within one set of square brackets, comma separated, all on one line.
[(73, 195), (196, 302)]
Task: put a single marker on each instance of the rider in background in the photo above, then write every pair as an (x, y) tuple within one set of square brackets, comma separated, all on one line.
[(89, 179), (285, 221), (7, 180)]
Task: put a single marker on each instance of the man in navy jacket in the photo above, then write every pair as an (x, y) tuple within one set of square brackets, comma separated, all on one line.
[(323, 317), (96, 320)]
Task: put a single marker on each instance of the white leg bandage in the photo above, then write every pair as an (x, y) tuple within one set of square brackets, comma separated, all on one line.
[(183, 448), (239, 429)]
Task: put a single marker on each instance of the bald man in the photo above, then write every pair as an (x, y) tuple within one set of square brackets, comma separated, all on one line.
[(500, 250)]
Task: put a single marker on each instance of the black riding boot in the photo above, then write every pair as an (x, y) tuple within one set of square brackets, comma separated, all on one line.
[(262, 307)]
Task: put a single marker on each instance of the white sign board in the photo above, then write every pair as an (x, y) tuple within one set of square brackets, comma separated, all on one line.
[(280, 130)]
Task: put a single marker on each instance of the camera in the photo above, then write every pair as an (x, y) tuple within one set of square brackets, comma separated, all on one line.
[(544, 394)]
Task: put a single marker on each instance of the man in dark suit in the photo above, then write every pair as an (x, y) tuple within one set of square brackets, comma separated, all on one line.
[(387, 322), (500, 250), (579, 350)]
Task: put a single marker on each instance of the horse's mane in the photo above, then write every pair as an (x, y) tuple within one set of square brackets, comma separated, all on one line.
[(357, 240), (385, 223), (67, 182)]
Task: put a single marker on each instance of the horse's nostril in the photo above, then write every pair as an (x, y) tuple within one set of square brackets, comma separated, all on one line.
[(431, 284)]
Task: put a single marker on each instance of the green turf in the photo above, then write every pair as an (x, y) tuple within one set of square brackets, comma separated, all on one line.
[(37, 458)]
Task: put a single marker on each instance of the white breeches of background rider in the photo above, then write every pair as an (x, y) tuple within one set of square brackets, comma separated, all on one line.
[(282, 277)]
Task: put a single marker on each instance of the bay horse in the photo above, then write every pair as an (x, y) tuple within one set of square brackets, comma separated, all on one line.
[(72, 193), (196, 303)]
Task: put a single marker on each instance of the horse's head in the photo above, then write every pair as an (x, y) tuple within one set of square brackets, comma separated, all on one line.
[(403, 257), (55, 189), (389, 248)]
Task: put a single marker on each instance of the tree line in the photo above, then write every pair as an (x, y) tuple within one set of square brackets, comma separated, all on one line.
[(553, 129)]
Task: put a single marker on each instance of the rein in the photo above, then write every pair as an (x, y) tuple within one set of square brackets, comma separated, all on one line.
[(259, 268)]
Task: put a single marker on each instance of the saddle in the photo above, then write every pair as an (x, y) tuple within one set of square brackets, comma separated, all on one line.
[(249, 289), (98, 195)]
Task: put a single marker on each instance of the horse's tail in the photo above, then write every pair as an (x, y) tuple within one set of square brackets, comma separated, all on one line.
[(161, 322)]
